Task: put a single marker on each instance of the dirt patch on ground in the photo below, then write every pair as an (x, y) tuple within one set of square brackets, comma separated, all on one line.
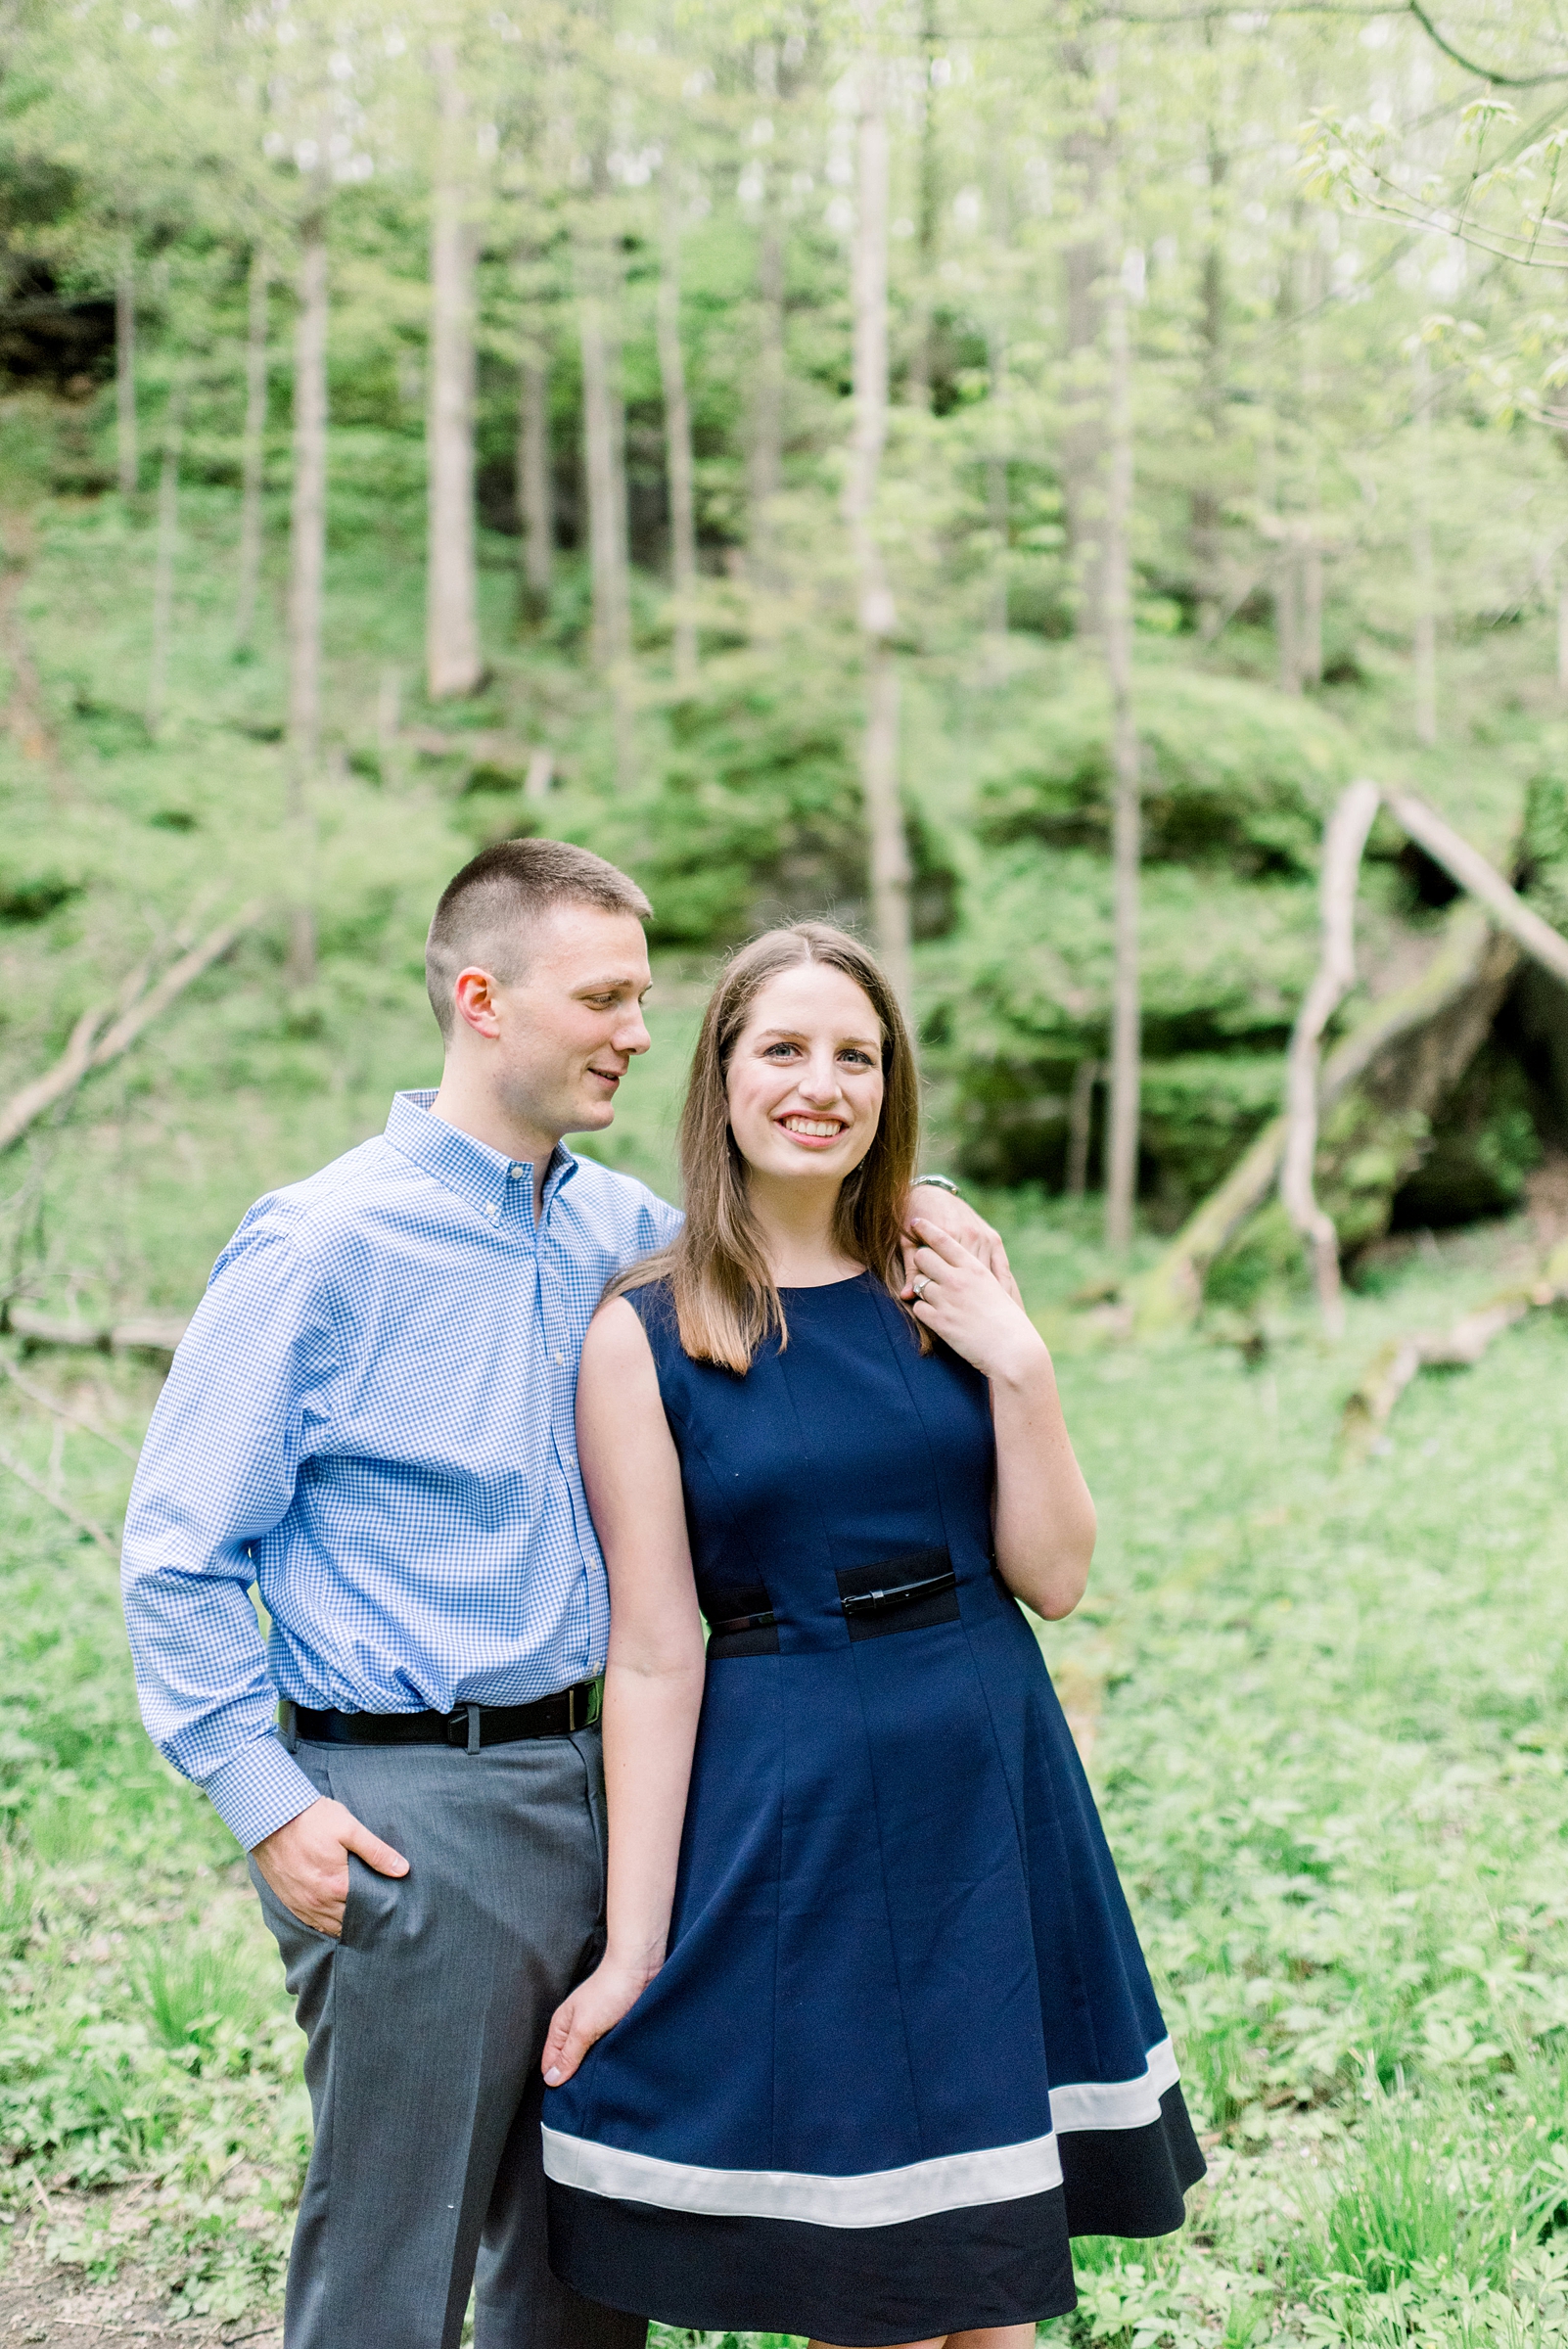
[(44, 2303)]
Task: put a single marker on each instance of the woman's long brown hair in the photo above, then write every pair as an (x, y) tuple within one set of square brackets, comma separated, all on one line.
[(724, 1295)]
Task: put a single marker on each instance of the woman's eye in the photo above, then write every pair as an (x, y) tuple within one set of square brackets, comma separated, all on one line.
[(779, 1051)]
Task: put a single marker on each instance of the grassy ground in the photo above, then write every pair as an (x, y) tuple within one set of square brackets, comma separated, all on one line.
[(1326, 1709), (1326, 1705)]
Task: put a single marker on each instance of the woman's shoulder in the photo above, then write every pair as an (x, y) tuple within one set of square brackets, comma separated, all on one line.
[(638, 1319), (651, 1300)]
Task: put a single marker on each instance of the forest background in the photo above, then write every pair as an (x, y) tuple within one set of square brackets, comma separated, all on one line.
[(997, 477)]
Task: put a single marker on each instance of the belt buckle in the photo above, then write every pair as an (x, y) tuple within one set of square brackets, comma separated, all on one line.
[(583, 1700), (457, 1726)]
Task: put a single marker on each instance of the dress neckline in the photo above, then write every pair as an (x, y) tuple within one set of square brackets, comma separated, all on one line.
[(819, 1288)]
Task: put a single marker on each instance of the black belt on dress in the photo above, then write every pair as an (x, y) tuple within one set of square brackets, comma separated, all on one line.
[(470, 1726), (866, 1602)]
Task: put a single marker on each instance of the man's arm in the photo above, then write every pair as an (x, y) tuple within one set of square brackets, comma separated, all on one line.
[(217, 1473)]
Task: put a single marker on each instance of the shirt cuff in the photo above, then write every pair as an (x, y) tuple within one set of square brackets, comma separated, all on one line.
[(260, 1791)]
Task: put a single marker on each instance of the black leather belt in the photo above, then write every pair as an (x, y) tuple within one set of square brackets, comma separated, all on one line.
[(470, 1726), (902, 1594), (860, 1603)]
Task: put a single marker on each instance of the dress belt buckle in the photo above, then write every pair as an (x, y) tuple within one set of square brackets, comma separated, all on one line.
[(460, 1730)]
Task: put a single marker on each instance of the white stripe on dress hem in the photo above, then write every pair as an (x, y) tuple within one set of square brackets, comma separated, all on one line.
[(1116, 2103), (878, 2198)]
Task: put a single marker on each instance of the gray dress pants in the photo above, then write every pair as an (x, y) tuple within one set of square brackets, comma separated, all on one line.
[(424, 2027)]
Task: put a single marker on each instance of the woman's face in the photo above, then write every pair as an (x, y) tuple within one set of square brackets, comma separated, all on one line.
[(805, 1079)]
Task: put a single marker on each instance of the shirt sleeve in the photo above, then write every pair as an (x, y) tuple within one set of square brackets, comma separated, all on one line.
[(660, 1224), (242, 1408)]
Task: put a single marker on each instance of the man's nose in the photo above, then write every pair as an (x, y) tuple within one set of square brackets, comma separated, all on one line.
[(632, 1036)]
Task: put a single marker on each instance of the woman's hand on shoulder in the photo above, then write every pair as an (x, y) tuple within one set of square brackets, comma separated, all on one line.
[(587, 2013), (962, 1302)]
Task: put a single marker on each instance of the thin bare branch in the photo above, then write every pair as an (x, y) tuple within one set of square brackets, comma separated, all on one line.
[(90, 1049), (1472, 872), (1392, 1369), (35, 1484), (63, 1411), (1500, 81)]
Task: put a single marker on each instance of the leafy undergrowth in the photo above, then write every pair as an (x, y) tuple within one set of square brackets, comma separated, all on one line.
[(1330, 1719)]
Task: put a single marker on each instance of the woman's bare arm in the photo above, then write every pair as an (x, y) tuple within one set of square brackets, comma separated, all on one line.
[(1043, 1519), (652, 1681)]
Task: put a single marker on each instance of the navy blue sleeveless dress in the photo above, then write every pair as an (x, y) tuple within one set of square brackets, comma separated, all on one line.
[(905, 2043)]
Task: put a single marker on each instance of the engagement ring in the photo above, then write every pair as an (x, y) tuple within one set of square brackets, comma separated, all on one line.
[(920, 1284)]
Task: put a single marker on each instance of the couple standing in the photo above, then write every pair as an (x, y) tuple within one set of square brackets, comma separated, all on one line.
[(857, 2032)]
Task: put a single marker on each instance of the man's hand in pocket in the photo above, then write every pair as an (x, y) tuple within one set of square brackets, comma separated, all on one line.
[(306, 1862)]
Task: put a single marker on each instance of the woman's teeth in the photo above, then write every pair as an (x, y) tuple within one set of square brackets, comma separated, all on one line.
[(821, 1129)]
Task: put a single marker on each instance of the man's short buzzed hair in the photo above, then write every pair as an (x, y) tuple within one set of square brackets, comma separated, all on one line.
[(488, 910)]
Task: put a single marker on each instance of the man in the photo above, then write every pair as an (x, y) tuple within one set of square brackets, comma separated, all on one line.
[(371, 1419)]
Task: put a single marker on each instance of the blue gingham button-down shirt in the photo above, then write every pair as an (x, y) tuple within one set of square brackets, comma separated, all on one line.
[(371, 1417)]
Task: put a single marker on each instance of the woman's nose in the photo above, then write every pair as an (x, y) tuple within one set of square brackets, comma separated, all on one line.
[(820, 1083)]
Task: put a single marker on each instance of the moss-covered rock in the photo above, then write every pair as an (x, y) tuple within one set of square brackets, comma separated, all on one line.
[(1233, 774)]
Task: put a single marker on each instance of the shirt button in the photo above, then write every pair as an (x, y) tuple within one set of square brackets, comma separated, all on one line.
[(559, 1358), (513, 1173)]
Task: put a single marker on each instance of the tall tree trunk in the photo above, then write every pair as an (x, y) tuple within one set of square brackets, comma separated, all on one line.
[(452, 660), (605, 466), (602, 453), (252, 452), (1425, 631), (766, 467), (921, 354), (534, 488), (307, 553), (1120, 1186), (996, 483), (879, 767), (1084, 266), (1206, 509), (1287, 606), (1282, 441), (1312, 549), (677, 449), (125, 368), (168, 519)]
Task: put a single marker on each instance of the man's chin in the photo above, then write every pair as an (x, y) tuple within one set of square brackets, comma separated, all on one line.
[(593, 1116)]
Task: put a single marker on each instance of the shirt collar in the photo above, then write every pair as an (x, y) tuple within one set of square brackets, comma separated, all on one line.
[(486, 1178)]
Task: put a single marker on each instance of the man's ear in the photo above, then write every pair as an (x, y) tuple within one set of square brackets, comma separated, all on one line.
[(474, 994)]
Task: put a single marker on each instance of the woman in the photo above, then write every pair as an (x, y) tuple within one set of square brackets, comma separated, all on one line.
[(880, 2036)]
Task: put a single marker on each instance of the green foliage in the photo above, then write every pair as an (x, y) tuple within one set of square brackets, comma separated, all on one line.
[(1233, 774), (1026, 999), (754, 813)]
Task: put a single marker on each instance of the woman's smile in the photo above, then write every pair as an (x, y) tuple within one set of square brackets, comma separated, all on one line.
[(814, 1132)]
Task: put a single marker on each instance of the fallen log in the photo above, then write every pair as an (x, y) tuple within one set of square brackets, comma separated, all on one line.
[(1343, 843), (93, 1045), (152, 1335), (1170, 1293), (1472, 959), (1372, 1402)]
